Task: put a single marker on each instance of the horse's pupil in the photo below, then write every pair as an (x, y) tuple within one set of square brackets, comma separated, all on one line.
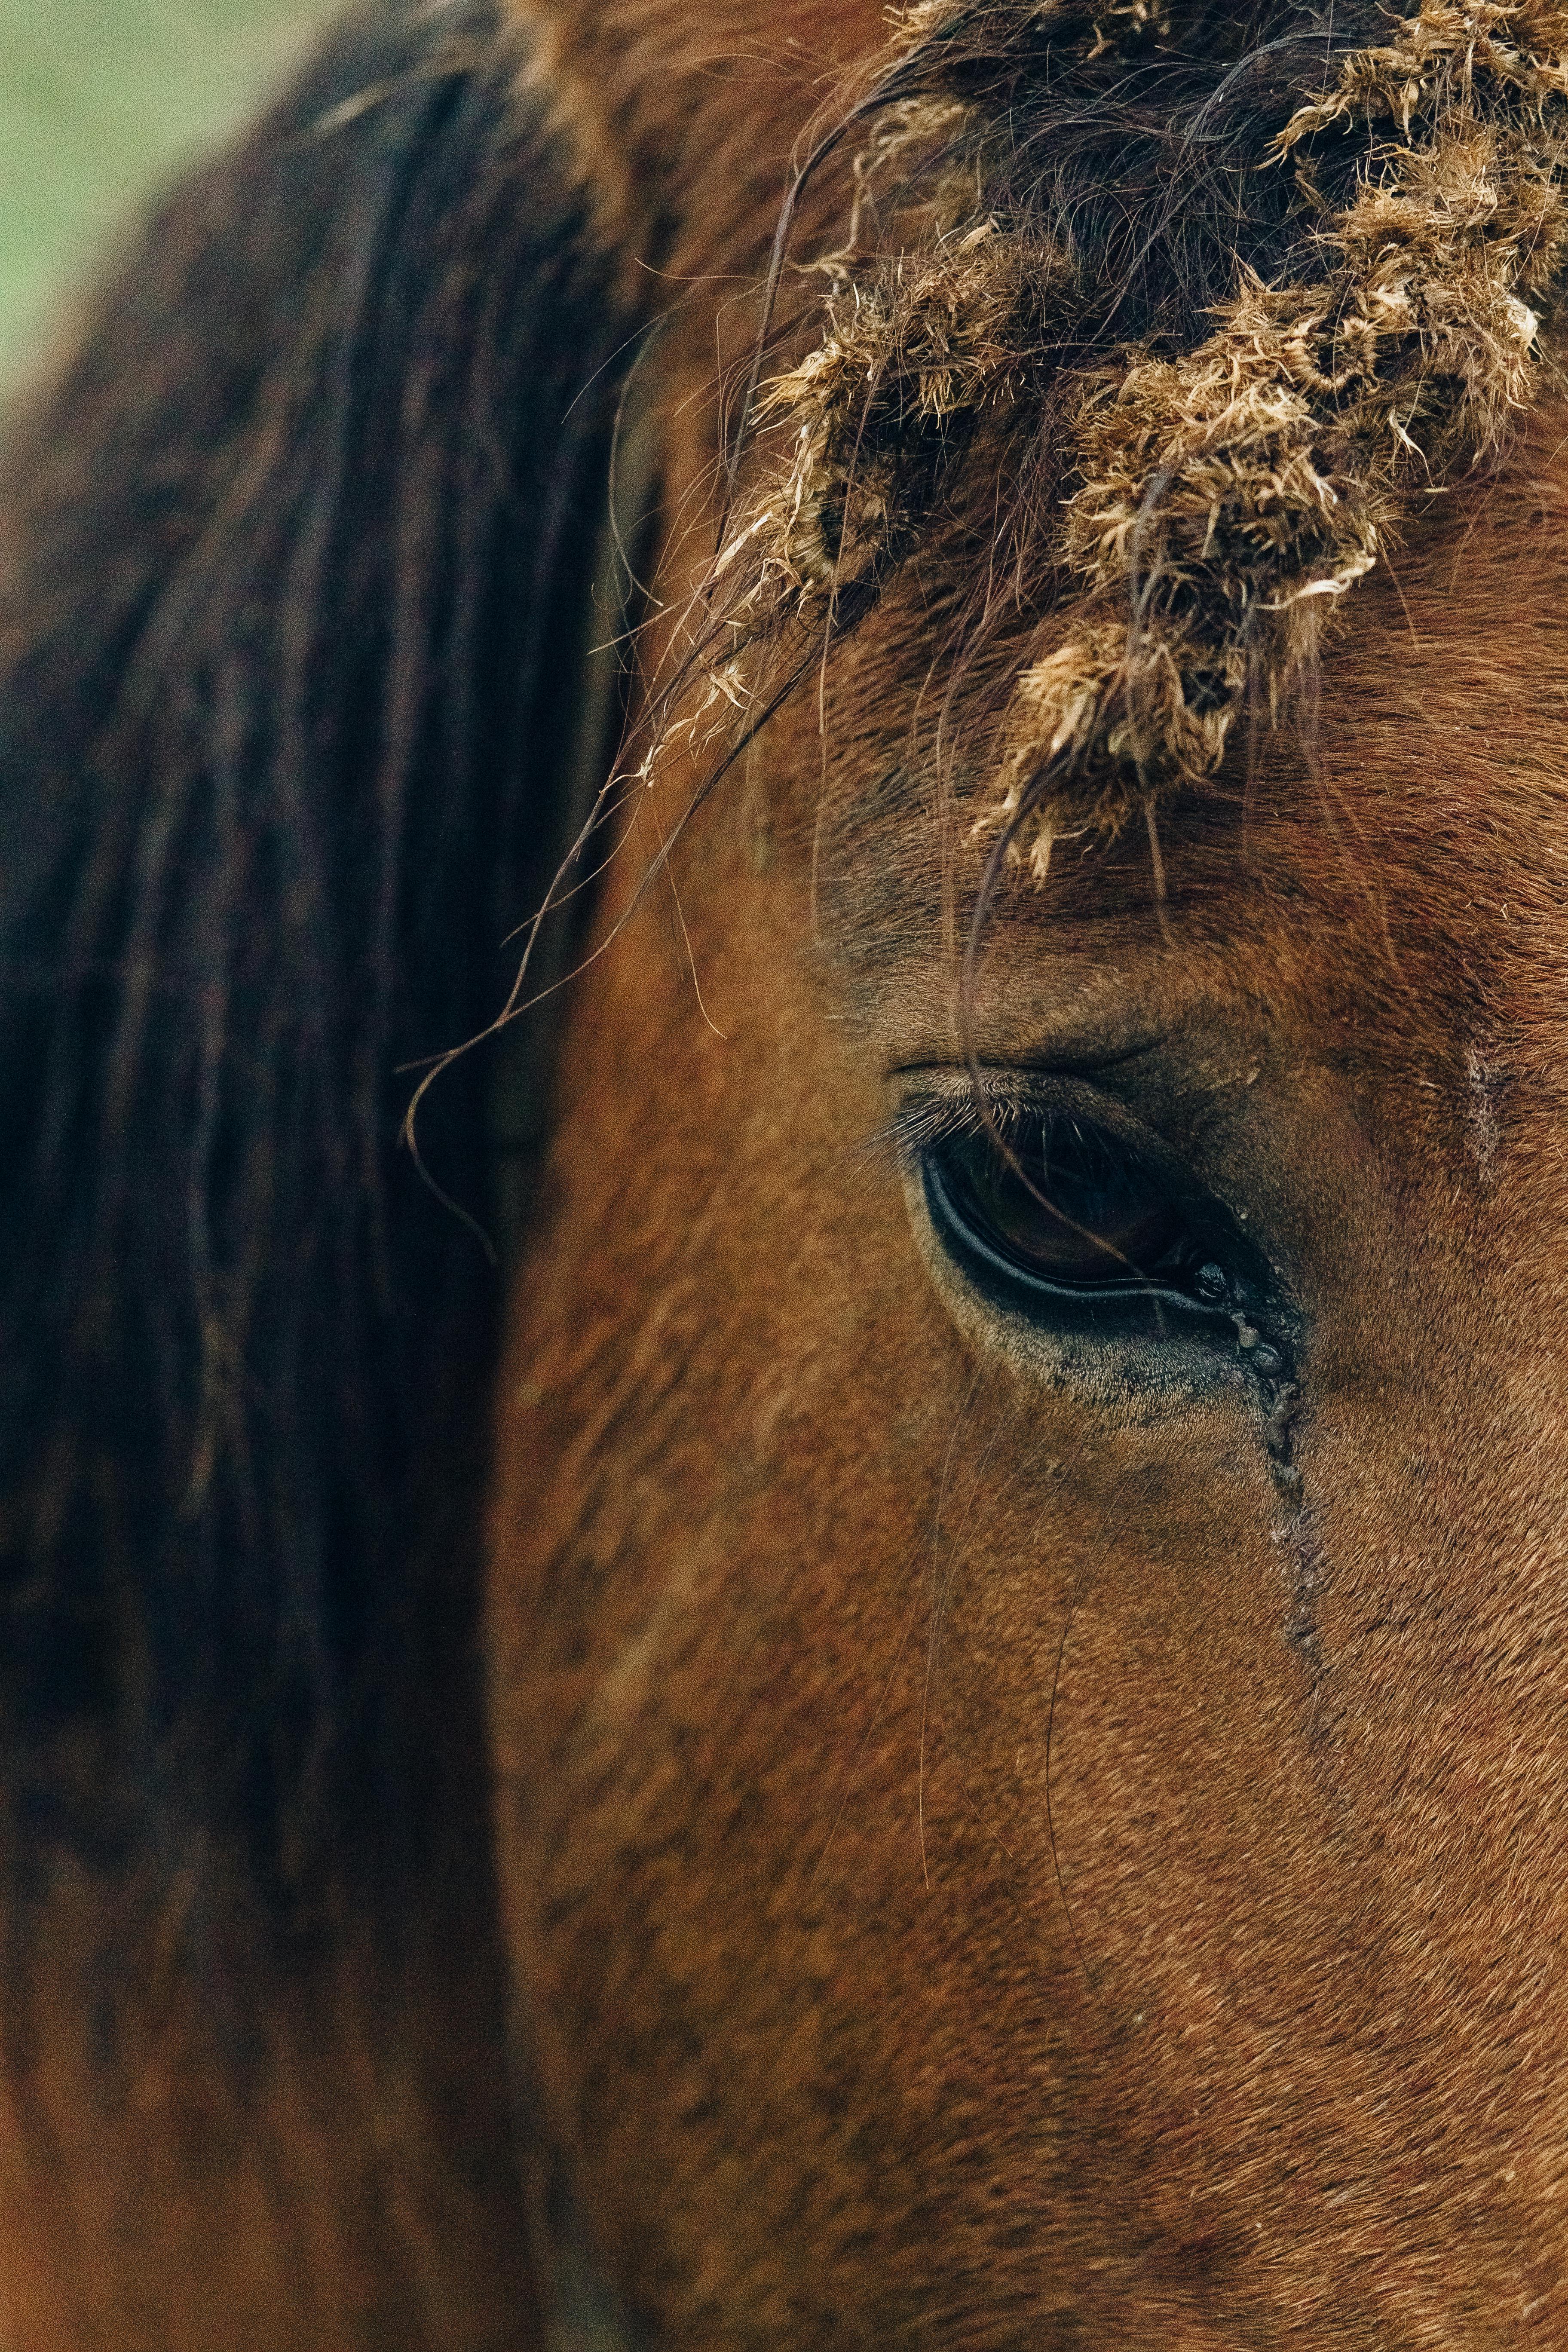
[(1068, 1200)]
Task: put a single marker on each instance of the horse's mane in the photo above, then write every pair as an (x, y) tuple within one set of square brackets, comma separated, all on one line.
[(295, 581)]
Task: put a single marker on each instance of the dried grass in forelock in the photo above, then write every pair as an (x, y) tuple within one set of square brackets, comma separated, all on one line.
[(1223, 501), (1440, 57), (913, 346), (904, 128), (1143, 703), (1229, 491)]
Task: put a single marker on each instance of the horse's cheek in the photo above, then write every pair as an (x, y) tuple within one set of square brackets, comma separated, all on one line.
[(741, 1869), (969, 1850), (859, 1770)]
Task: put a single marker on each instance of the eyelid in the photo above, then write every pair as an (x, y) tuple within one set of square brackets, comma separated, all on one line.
[(944, 1105), (930, 1118)]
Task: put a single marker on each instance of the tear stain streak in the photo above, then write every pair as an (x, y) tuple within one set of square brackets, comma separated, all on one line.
[(1296, 1539), (1485, 1083)]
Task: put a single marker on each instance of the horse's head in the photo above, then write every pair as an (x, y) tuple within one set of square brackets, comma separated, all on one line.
[(1030, 1642), (1024, 1607)]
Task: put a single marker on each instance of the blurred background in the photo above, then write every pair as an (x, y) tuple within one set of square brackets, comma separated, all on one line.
[(100, 103)]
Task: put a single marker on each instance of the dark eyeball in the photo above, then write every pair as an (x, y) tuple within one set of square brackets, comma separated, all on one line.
[(1051, 1206), (1057, 1215), (1067, 1201)]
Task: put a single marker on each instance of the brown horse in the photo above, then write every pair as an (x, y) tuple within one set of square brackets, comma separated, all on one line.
[(942, 1721)]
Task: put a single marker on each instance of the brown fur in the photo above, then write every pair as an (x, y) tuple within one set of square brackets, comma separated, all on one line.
[(992, 1863), (682, 122)]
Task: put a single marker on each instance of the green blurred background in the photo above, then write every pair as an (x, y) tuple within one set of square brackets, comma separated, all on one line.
[(100, 101)]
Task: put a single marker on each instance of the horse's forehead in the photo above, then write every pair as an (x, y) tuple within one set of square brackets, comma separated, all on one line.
[(1433, 785), (1398, 842)]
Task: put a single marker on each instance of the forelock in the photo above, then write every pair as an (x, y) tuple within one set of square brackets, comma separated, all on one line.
[(1207, 303)]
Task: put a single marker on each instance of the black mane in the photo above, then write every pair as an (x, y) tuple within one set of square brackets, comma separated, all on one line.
[(295, 579)]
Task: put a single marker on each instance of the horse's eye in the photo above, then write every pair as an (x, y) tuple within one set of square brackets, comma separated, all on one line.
[(1069, 1202), (1067, 1205)]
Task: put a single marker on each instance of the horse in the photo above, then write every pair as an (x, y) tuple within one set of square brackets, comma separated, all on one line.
[(782, 954)]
